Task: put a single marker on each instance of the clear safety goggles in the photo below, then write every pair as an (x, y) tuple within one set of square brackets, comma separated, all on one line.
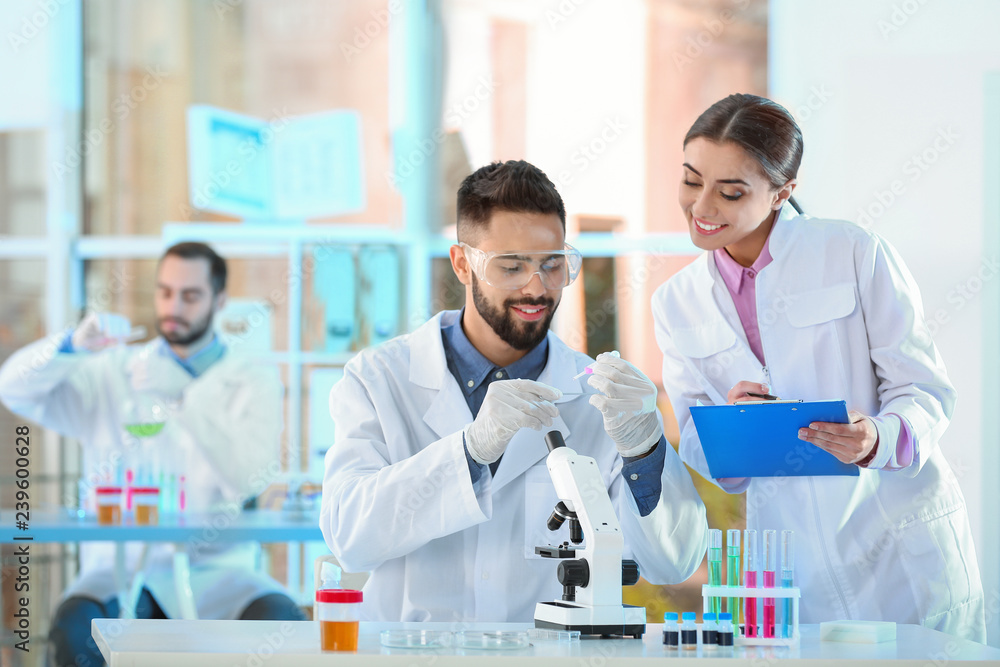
[(514, 270)]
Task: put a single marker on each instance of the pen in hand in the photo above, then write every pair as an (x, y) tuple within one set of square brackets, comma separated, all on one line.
[(766, 397)]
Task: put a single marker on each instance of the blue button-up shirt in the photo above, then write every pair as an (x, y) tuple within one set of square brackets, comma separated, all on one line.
[(200, 361), (474, 373)]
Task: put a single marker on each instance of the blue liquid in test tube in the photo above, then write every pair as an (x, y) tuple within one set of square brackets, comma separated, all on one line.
[(787, 569)]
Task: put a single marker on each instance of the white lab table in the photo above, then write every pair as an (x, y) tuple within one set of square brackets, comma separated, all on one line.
[(125, 643)]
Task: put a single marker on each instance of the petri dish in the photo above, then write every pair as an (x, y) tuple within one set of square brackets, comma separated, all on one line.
[(415, 638), (498, 640), (554, 635)]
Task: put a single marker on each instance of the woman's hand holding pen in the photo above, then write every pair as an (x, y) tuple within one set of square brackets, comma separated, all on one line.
[(850, 443), (746, 390)]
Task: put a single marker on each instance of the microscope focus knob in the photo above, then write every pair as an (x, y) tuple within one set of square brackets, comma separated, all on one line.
[(630, 573), (573, 572)]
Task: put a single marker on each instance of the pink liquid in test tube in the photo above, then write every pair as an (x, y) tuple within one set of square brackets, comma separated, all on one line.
[(750, 567), (750, 612), (770, 563), (181, 500), (768, 606), (128, 489)]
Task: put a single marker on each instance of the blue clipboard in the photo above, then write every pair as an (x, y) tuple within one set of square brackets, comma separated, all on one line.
[(762, 439)]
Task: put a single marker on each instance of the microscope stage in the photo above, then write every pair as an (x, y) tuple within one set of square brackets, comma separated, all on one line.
[(623, 622)]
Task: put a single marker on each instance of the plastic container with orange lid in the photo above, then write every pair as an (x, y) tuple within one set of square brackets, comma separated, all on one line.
[(338, 611), (109, 505), (146, 504)]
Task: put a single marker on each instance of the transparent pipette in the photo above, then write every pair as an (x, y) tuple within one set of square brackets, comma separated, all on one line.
[(590, 369)]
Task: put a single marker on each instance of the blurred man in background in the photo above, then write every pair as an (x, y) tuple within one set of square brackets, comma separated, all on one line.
[(217, 423)]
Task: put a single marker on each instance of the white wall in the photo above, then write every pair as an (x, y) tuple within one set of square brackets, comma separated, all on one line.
[(586, 105), (890, 93), (585, 95)]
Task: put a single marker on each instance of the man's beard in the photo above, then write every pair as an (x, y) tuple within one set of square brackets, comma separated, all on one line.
[(519, 334), (194, 333)]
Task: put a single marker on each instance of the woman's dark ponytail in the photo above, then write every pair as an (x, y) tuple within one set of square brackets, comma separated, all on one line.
[(762, 128)]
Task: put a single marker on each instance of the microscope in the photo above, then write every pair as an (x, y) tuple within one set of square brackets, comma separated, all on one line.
[(593, 574)]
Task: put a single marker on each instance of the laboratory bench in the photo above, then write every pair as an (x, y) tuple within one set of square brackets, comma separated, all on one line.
[(63, 525), (182, 529), (125, 643)]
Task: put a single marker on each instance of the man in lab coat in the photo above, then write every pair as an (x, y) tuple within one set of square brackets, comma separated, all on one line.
[(437, 482), (221, 431)]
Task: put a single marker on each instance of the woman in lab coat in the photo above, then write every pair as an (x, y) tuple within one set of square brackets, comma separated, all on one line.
[(816, 309)]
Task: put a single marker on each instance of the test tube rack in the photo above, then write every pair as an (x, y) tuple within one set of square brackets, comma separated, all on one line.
[(743, 592)]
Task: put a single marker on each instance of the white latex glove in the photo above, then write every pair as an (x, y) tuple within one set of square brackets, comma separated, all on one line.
[(100, 330), (628, 401), (509, 406)]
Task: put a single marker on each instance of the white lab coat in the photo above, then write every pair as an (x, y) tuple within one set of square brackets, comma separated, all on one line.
[(840, 318), (224, 436), (398, 498)]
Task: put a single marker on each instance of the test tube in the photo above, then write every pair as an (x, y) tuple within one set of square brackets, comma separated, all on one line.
[(770, 565), (715, 567), (181, 498), (129, 478), (750, 566), (787, 568), (733, 570)]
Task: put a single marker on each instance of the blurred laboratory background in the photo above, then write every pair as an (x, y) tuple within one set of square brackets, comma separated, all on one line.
[(318, 145)]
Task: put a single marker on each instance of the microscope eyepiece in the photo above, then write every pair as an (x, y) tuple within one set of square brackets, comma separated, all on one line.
[(554, 439)]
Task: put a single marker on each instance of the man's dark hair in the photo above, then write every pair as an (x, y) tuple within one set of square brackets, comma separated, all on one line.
[(193, 250), (514, 186)]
